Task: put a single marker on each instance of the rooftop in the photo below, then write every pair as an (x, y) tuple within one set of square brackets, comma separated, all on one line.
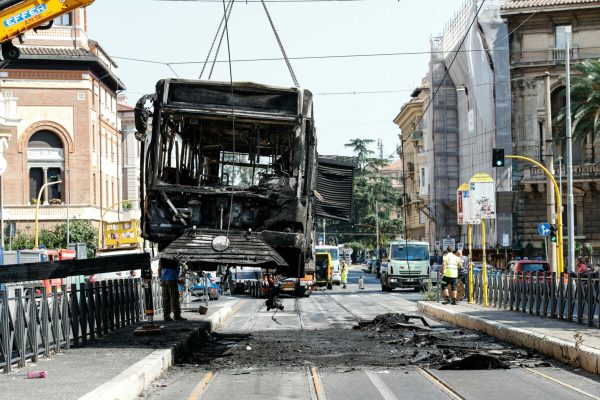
[(518, 4)]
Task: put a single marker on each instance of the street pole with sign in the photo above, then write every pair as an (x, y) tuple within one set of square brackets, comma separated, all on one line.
[(482, 194), (463, 209)]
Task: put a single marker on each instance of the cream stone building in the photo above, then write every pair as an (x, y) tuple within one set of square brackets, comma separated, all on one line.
[(538, 32), (61, 97), (416, 164)]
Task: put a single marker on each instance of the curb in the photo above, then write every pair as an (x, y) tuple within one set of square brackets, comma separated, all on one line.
[(559, 349), (134, 380)]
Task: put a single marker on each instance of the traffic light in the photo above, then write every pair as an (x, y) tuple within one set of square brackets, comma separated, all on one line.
[(498, 157), (552, 233)]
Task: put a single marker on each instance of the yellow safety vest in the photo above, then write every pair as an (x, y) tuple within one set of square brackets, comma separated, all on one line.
[(452, 263)]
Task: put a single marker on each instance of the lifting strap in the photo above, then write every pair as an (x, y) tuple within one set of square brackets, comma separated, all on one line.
[(285, 57)]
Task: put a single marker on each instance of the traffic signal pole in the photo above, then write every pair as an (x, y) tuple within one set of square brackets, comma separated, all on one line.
[(559, 222)]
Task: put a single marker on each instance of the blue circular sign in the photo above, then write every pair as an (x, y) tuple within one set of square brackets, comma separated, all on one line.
[(544, 229)]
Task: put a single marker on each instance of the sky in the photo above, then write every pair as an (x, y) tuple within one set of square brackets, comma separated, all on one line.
[(180, 33)]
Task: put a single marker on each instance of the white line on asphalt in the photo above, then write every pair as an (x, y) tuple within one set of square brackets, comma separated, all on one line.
[(561, 383), (381, 387)]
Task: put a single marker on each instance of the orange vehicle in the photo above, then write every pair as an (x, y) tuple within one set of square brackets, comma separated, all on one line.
[(56, 255), (20, 16)]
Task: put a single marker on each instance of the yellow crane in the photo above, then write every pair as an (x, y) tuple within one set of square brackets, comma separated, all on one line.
[(20, 16)]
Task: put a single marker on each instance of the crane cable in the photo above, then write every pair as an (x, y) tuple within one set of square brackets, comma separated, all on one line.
[(225, 15), (285, 57)]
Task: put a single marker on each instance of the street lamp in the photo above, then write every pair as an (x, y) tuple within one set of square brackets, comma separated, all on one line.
[(37, 208)]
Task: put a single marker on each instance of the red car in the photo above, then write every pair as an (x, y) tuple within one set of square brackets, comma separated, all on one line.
[(528, 267)]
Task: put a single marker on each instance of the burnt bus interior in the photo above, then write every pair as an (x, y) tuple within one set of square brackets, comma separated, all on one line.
[(240, 165), (211, 159), (237, 164)]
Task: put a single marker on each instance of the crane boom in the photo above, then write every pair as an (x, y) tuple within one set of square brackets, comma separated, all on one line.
[(20, 16)]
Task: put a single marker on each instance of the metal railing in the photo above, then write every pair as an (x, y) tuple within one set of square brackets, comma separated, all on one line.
[(34, 322), (565, 296)]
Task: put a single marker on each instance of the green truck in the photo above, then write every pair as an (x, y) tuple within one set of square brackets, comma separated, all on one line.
[(407, 265)]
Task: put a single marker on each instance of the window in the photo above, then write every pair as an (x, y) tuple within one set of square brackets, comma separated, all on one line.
[(93, 137), (561, 33), (94, 188), (64, 20)]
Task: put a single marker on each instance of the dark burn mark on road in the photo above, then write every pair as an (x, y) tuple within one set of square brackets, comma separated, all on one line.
[(389, 341)]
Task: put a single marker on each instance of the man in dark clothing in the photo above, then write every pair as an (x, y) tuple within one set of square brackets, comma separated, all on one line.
[(168, 271)]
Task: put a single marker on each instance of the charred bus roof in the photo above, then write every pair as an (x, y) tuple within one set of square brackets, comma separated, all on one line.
[(242, 99)]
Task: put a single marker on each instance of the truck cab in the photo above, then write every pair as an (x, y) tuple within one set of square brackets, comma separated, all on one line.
[(407, 266)]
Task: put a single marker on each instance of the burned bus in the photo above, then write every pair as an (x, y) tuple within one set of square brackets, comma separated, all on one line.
[(229, 175)]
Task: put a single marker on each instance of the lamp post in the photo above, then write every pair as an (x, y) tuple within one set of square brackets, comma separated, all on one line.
[(3, 146), (569, 140), (37, 209), (68, 198)]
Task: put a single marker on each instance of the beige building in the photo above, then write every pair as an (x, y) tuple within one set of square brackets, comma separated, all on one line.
[(60, 99), (415, 160), (130, 154), (538, 32)]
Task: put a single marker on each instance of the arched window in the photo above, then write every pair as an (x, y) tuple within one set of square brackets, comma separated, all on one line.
[(46, 162)]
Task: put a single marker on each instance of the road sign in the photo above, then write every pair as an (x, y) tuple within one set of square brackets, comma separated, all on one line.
[(544, 229), (505, 240), (448, 242)]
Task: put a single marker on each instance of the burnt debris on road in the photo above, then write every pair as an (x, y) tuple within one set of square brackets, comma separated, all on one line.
[(389, 340)]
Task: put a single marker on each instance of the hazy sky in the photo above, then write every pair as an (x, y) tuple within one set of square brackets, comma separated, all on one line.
[(182, 32)]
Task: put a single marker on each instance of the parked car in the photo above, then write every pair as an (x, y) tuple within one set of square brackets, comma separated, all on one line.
[(197, 290), (526, 266)]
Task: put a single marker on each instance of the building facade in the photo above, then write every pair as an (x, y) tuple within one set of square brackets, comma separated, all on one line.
[(415, 155), (537, 60), (65, 144)]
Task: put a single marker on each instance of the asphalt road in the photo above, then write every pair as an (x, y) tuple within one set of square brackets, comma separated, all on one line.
[(341, 309)]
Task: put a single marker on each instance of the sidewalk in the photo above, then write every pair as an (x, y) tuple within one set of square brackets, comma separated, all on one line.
[(118, 366), (567, 342)]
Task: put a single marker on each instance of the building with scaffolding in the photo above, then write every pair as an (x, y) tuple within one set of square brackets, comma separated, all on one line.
[(468, 113)]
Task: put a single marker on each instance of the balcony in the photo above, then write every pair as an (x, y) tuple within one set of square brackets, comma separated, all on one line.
[(561, 54)]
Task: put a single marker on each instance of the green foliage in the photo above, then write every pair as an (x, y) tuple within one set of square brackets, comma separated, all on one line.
[(21, 241), (56, 238), (127, 204), (370, 189), (585, 100), (429, 293)]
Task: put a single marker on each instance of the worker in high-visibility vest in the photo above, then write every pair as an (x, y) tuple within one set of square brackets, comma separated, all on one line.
[(450, 266)]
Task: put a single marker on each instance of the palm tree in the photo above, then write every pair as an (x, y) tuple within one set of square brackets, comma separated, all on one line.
[(585, 100)]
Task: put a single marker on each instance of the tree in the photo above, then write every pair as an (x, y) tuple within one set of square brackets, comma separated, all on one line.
[(585, 100), (360, 148), (371, 189), (80, 231)]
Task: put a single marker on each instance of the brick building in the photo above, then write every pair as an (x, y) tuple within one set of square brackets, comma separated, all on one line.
[(64, 127)]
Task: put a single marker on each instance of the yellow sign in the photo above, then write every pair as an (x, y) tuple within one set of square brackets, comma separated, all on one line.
[(481, 177)]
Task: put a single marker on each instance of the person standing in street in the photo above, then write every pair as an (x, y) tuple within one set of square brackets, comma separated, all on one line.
[(168, 271), (344, 272), (450, 267)]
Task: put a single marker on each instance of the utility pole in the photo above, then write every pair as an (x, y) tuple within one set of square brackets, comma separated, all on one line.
[(324, 240), (377, 227), (570, 205), (549, 161)]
